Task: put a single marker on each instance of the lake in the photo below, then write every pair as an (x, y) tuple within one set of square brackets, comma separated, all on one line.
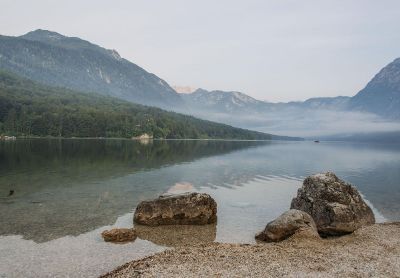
[(66, 192)]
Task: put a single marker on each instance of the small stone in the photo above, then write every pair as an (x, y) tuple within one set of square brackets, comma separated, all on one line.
[(119, 235), (289, 223)]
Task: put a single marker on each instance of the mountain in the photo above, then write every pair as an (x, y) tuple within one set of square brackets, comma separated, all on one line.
[(28, 108), (237, 102), (56, 60), (221, 101), (381, 96), (375, 109), (331, 103), (184, 89), (53, 59)]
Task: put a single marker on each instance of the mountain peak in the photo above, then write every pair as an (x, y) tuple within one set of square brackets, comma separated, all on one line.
[(59, 40), (57, 60), (184, 89), (221, 101), (200, 90), (232, 95), (382, 94), (41, 34)]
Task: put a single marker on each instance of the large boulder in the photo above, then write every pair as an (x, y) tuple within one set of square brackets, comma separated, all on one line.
[(336, 206), (177, 209), (119, 235), (289, 223)]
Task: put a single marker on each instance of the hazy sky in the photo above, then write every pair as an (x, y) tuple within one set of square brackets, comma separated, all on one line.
[(272, 50)]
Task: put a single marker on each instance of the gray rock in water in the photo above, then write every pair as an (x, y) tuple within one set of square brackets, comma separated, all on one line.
[(177, 209), (336, 206), (289, 223)]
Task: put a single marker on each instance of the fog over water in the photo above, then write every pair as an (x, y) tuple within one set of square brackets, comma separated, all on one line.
[(306, 122)]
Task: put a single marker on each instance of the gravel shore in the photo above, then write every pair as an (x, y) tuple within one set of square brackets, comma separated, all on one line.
[(370, 251)]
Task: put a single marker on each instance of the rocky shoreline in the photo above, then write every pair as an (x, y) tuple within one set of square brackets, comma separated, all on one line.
[(328, 231), (371, 251)]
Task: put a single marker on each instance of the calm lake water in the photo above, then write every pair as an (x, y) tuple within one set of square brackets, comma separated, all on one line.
[(66, 192)]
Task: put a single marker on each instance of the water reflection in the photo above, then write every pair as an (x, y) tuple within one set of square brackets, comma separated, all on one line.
[(181, 187), (68, 187), (68, 191), (86, 255), (178, 235)]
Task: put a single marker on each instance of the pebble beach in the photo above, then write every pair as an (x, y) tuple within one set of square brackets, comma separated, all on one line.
[(371, 251)]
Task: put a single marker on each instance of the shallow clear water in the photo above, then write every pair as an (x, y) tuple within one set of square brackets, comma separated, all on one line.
[(66, 192)]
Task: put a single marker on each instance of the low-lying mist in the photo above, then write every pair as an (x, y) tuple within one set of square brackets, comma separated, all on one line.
[(306, 123)]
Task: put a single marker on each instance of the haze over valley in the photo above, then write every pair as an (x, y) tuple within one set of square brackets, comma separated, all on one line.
[(57, 60)]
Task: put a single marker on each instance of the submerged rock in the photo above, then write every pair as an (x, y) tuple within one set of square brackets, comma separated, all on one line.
[(177, 209), (289, 223), (119, 235), (178, 235), (336, 206)]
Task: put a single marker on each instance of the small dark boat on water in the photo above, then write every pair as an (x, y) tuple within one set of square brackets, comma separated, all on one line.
[(316, 141)]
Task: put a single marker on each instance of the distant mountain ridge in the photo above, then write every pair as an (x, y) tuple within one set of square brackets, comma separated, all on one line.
[(57, 60), (28, 108), (221, 101), (381, 96), (375, 110), (237, 102)]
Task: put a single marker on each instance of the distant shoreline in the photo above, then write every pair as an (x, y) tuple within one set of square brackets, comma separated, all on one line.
[(154, 139)]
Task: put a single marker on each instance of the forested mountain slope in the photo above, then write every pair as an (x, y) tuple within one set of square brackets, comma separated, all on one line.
[(31, 109), (53, 59)]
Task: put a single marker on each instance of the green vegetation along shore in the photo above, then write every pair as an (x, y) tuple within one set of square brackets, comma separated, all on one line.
[(31, 109)]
